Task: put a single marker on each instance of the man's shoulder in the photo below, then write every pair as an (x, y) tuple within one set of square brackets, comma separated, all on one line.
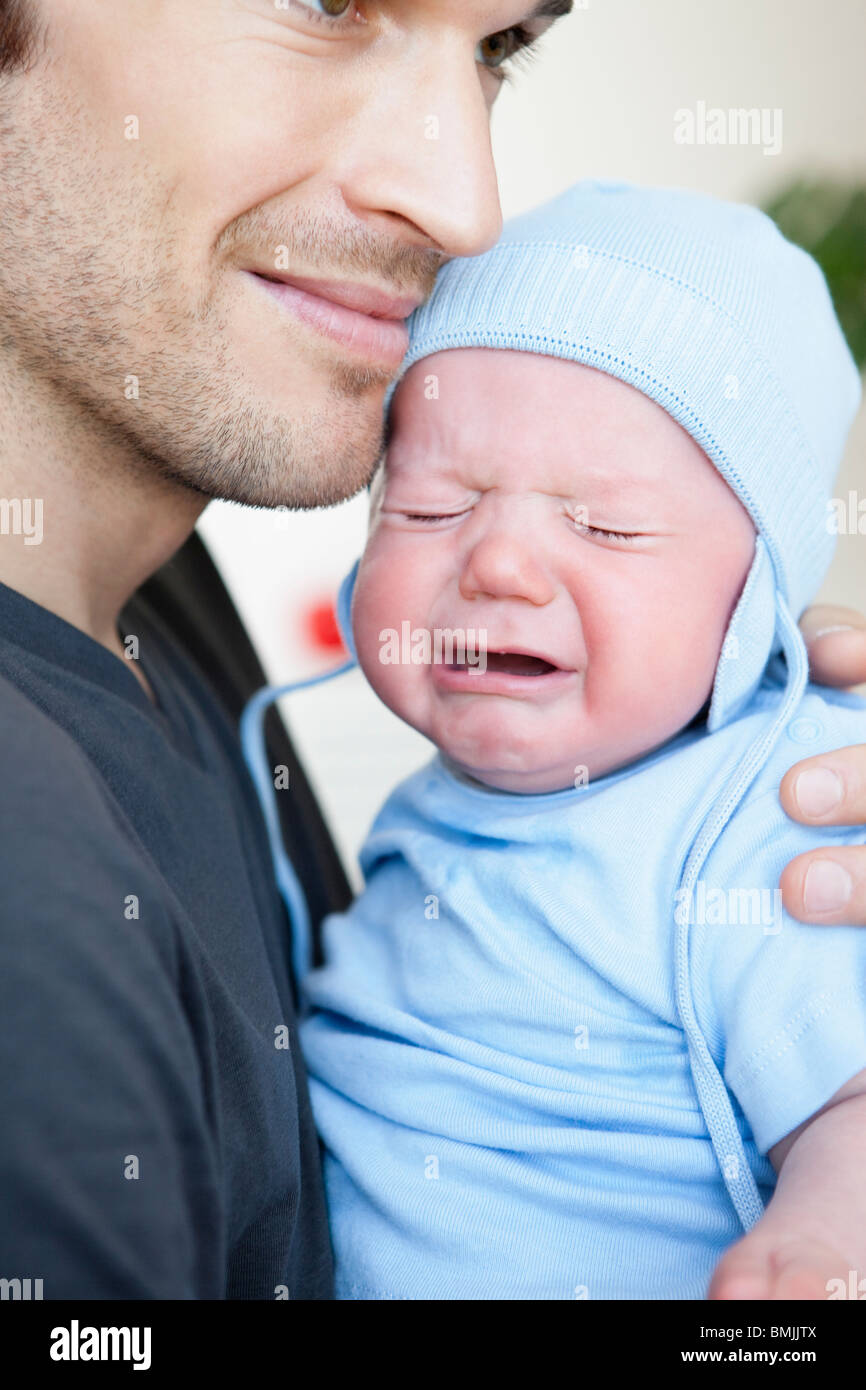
[(46, 774), (66, 855)]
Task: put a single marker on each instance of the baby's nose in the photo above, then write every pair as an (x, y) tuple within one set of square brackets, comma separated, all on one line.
[(500, 565)]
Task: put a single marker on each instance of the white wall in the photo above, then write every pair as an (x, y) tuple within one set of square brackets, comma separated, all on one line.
[(599, 100)]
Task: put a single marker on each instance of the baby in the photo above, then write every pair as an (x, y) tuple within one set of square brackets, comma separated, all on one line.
[(567, 1043)]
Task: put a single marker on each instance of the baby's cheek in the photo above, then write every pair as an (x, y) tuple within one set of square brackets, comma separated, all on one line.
[(656, 681), (378, 605), (399, 684), (684, 668), (391, 603)]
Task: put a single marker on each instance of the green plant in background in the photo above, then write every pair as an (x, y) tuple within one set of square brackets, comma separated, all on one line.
[(829, 221)]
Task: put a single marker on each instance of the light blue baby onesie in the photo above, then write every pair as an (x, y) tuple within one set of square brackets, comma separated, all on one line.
[(498, 1070)]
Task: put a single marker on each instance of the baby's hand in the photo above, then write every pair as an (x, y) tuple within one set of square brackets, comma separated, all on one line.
[(765, 1265), (814, 1228)]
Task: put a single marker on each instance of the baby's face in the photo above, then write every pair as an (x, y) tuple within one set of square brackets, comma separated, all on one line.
[(569, 518)]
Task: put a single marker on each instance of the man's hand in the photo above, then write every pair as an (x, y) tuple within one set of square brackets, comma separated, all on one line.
[(829, 887), (836, 640)]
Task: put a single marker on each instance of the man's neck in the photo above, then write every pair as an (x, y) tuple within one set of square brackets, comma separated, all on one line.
[(83, 520)]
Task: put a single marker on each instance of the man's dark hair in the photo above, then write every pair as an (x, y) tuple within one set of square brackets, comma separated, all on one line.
[(17, 34)]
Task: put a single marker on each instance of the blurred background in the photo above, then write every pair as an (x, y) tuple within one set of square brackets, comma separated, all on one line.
[(604, 97)]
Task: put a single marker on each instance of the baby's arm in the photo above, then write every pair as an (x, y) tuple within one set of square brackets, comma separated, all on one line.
[(814, 1228)]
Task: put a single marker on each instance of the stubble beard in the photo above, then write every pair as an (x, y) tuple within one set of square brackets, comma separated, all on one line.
[(96, 309)]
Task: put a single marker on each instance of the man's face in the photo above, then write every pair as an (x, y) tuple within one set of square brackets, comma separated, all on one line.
[(217, 213)]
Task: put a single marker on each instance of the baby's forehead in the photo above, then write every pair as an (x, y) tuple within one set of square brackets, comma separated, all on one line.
[(406, 468), (483, 417)]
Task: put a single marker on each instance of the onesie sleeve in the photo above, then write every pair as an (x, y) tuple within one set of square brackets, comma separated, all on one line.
[(782, 1004)]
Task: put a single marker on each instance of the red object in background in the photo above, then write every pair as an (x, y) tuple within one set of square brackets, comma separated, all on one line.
[(320, 626)]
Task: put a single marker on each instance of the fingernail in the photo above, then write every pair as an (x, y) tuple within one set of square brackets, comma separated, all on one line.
[(837, 627), (827, 886), (817, 791)]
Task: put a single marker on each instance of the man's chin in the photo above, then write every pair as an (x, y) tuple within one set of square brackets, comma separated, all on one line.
[(354, 381), (263, 457)]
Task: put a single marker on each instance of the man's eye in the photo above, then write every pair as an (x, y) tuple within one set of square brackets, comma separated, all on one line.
[(330, 9), (494, 51)]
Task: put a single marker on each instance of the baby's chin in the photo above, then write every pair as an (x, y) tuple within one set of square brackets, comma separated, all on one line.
[(536, 767), (505, 745), (513, 764), (532, 782), (518, 745)]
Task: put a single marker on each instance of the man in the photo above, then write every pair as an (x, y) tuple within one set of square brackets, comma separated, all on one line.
[(216, 216)]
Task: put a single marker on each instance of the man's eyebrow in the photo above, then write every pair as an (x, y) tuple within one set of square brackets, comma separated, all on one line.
[(551, 9)]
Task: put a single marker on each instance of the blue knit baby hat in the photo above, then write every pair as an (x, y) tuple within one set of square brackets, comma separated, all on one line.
[(703, 306)]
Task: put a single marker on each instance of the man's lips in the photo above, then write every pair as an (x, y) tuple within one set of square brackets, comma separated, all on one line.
[(365, 299), (368, 321)]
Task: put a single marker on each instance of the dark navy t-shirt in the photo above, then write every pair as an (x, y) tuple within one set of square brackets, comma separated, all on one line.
[(156, 1139)]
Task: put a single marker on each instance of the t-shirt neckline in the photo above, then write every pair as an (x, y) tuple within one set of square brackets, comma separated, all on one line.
[(43, 633)]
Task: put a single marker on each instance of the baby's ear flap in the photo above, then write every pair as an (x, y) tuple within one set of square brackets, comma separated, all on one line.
[(344, 609), (750, 642)]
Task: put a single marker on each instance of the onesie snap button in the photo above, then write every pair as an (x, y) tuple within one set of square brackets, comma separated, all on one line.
[(804, 730)]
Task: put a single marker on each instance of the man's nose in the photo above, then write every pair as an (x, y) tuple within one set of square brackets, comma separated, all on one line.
[(501, 566), (419, 154)]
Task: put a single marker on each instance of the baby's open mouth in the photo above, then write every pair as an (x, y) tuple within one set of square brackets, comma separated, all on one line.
[(509, 663)]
